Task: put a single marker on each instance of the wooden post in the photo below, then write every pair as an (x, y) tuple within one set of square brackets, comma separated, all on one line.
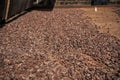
[(7, 9)]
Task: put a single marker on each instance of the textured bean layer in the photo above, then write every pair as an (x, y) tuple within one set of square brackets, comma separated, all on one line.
[(57, 45)]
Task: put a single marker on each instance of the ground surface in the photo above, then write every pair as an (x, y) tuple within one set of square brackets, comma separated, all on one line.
[(107, 19), (59, 45)]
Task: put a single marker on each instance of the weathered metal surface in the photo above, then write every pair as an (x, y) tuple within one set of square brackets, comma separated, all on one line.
[(10, 8), (17, 6)]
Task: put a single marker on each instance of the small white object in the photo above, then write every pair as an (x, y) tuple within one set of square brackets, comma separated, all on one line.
[(96, 9)]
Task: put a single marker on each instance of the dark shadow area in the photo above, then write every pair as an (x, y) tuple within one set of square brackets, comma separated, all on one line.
[(99, 2), (46, 5), (51, 4), (2, 5), (41, 8), (2, 23)]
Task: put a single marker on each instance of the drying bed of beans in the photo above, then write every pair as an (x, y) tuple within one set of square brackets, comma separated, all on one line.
[(57, 45)]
